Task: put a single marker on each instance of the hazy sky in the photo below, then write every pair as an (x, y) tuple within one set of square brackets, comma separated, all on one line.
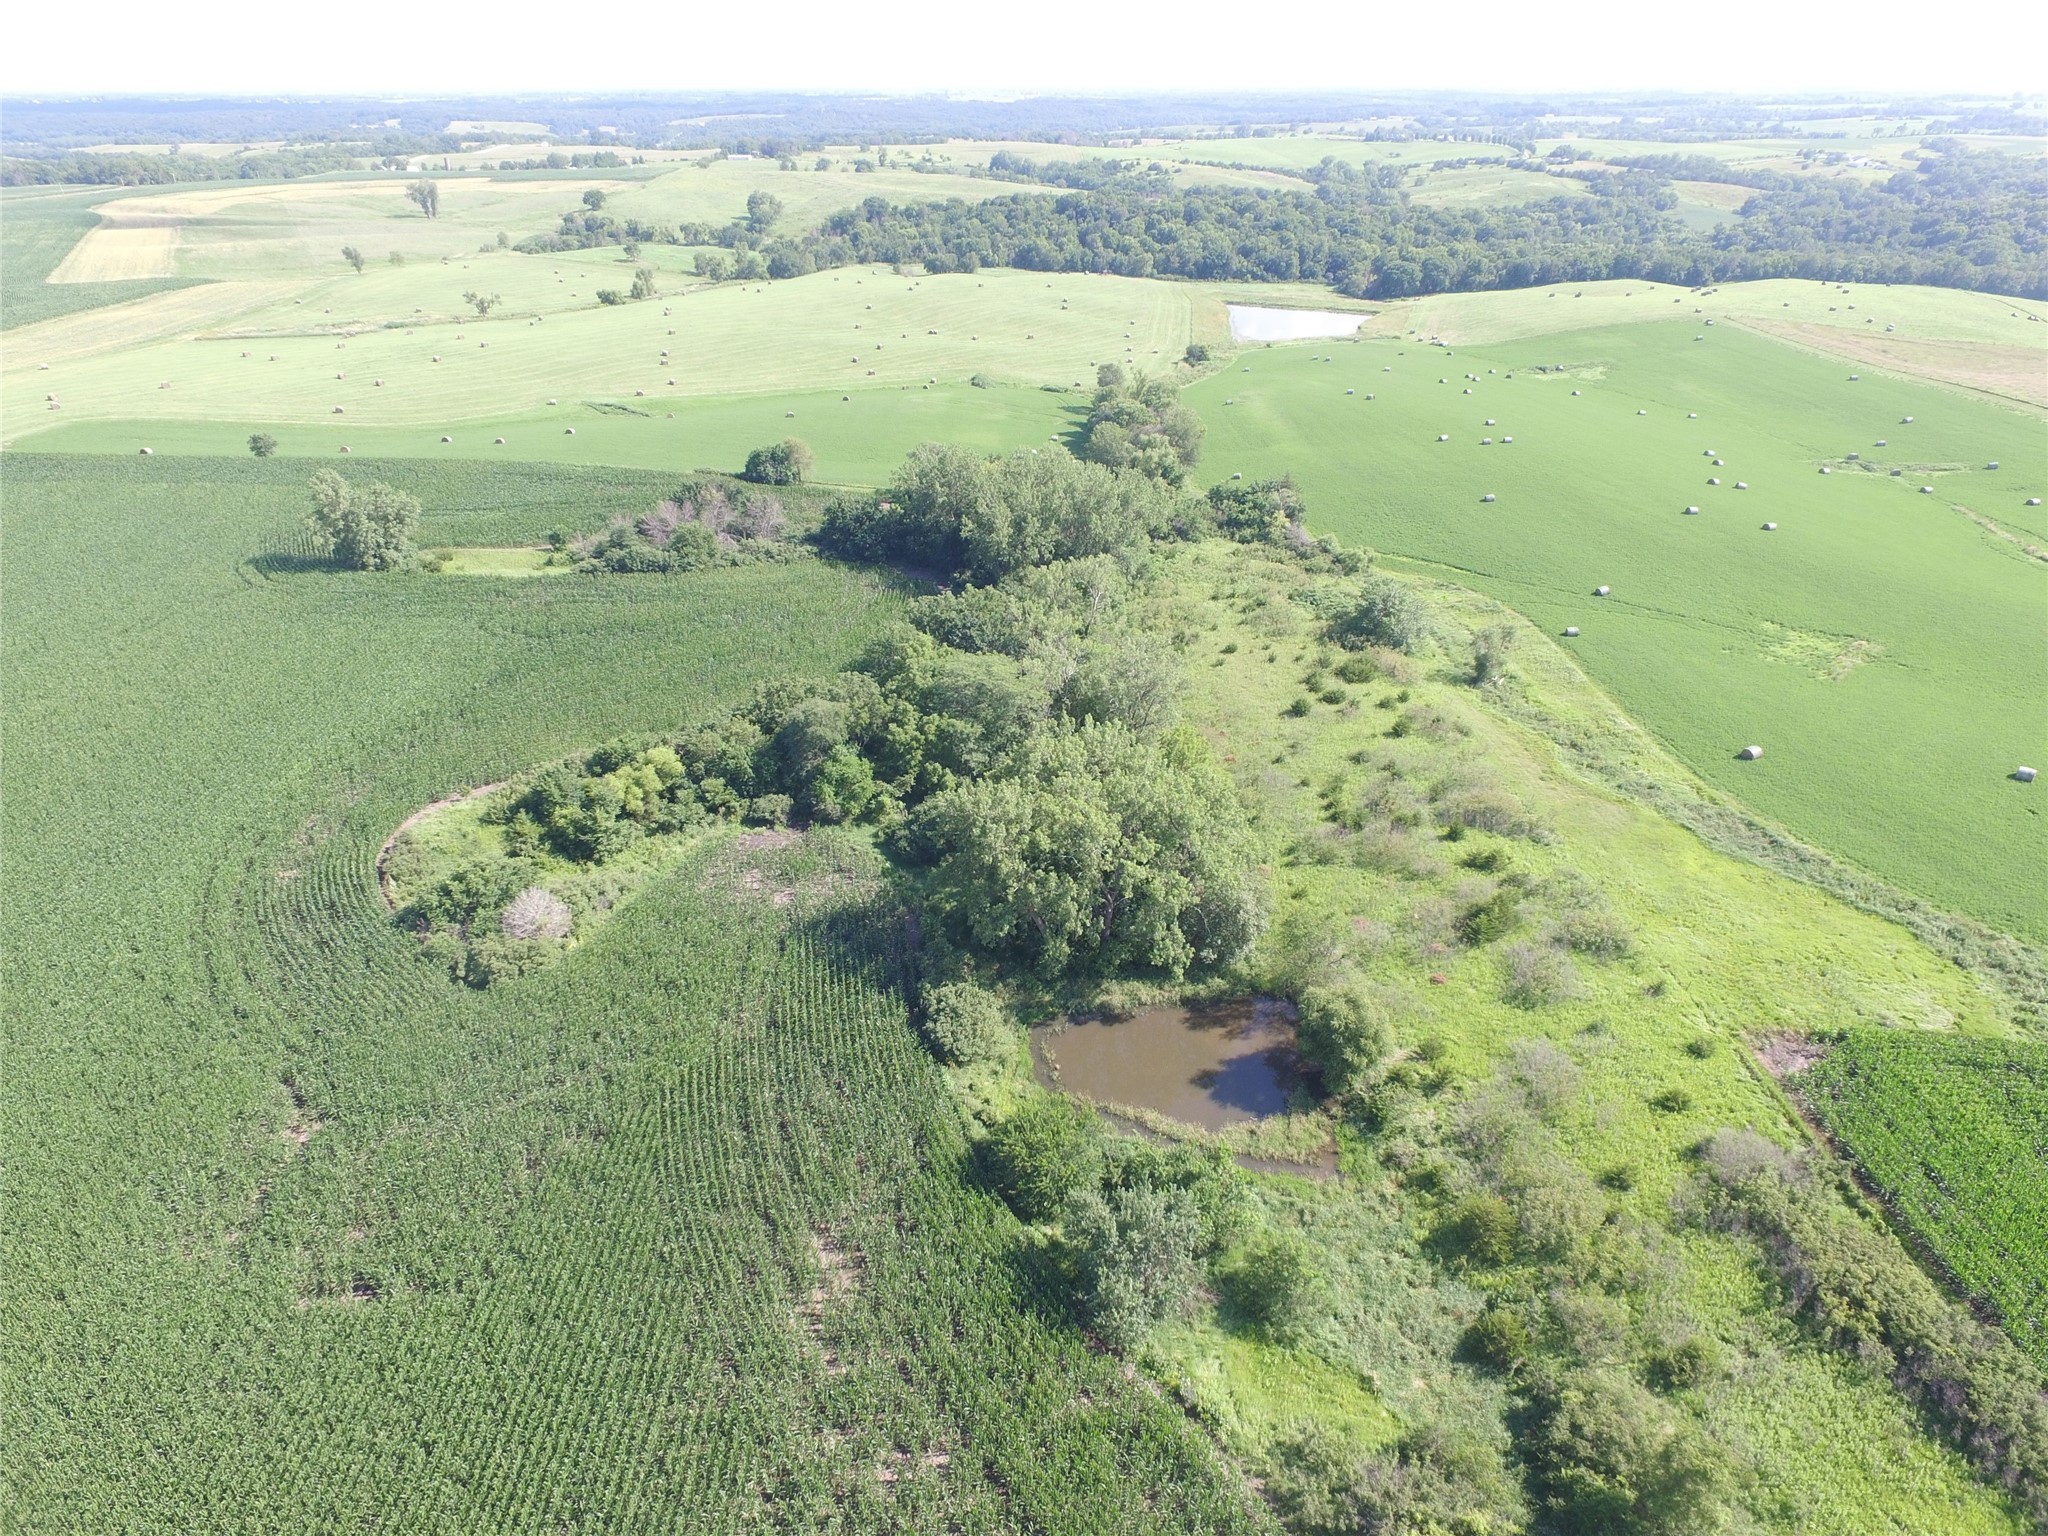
[(127, 46)]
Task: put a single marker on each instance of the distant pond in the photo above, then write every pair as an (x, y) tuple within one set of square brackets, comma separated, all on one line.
[(1213, 1065), (1252, 322)]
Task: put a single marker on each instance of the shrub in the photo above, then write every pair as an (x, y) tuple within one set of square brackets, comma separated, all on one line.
[(1272, 1282), (1491, 919), (1499, 1340), (1358, 669), (1671, 1101), (966, 1023), (1047, 1149), (981, 381), (1490, 648), (1594, 931), (1135, 1250), (1385, 614), (1342, 1033), (262, 444), (1692, 1363), (1537, 977), (1609, 1456), (1481, 1229), (1301, 706)]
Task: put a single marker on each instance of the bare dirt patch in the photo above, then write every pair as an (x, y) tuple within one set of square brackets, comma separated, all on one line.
[(842, 1273), (1787, 1055)]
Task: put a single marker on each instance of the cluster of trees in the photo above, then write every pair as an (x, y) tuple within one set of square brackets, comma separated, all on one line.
[(133, 168), (1961, 219), (1021, 755), (1139, 423), (366, 528), (785, 463)]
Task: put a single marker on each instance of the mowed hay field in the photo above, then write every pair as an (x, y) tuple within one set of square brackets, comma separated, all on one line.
[(682, 1228), (737, 353), (40, 229), (1884, 646)]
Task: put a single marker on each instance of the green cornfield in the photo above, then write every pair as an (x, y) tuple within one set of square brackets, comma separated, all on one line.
[(679, 1233), (1954, 1133)]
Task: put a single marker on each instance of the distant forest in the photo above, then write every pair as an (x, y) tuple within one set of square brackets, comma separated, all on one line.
[(1961, 219)]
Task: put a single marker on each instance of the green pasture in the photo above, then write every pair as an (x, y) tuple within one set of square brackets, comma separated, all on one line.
[(862, 332), (1884, 648), (1919, 313), (857, 441)]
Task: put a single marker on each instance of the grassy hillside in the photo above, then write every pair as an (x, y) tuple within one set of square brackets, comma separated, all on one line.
[(682, 1228), (1882, 645)]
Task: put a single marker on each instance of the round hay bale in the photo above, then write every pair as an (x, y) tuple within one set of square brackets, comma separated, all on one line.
[(1507, 439), (437, 357), (1487, 497), (147, 452), (1926, 490), (568, 431), (450, 439), (1692, 511), (1742, 485), (1642, 413), (1600, 591), (1880, 443), (1750, 753), (498, 441), (1571, 631), (2033, 501), (1713, 479), (1825, 470), (1489, 421), (1350, 391), (2024, 774), (1770, 527), (1692, 415), (346, 449), (1992, 465), (1443, 437), (1575, 392)]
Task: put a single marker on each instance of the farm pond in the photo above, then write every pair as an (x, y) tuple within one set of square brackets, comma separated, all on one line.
[(1213, 1065), (1254, 322)]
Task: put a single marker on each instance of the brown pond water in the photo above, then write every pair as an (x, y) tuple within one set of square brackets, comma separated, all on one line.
[(1214, 1065)]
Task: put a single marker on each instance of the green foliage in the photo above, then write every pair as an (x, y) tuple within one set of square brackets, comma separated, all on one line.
[(1481, 1229), (785, 463), (1386, 613), (262, 445), (1491, 919), (1611, 1459), (1274, 1282), (1135, 1250), (1941, 1125), (368, 528), (1535, 976), (1491, 648), (1138, 423), (1098, 851), (644, 285), (1498, 1339), (1343, 1033), (353, 257), (426, 193), (966, 1024), (1046, 1151), (1853, 1283), (1260, 511)]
